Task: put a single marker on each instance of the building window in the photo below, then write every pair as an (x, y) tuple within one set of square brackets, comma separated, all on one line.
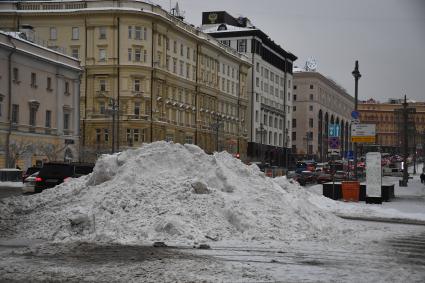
[(102, 32), (159, 40), (311, 87), (295, 97), (181, 68), (167, 43), (257, 81), (137, 54), (66, 87), (48, 123), (137, 109), (294, 123), (33, 80), (102, 107), (257, 67), (242, 45), (98, 134), (106, 135), (16, 75), (311, 107), (294, 136), (181, 50), (15, 113), (129, 54), (33, 116), (136, 135), (137, 85), (130, 32), (53, 33), (75, 52), (138, 32), (225, 42), (189, 140), (188, 53), (102, 85), (311, 96), (294, 108), (295, 87), (310, 122), (75, 33), (174, 65), (66, 120), (102, 54)]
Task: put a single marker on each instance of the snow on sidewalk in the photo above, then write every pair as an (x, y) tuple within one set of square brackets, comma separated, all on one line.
[(408, 204)]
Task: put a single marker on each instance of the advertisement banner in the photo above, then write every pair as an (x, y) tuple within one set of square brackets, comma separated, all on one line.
[(373, 174)]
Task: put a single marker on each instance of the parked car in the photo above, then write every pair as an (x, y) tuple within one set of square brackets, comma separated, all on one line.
[(324, 178), (29, 172), (305, 177), (29, 183), (340, 176), (53, 174)]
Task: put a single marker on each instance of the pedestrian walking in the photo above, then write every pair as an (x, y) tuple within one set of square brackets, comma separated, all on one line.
[(423, 177)]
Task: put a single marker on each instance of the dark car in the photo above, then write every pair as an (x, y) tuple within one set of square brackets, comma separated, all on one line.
[(53, 174), (29, 172), (305, 177), (324, 178)]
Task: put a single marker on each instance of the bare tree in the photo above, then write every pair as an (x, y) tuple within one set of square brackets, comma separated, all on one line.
[(51, 151), (16, 150)]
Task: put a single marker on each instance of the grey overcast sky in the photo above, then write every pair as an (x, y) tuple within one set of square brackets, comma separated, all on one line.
[(386, 36)]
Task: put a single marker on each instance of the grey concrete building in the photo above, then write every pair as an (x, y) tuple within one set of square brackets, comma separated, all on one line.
[(318, 101)]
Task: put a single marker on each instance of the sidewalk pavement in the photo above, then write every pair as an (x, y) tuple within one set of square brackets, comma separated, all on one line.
[(407, 207)]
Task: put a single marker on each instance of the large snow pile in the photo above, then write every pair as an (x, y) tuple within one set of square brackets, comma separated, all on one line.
[(174, 193)]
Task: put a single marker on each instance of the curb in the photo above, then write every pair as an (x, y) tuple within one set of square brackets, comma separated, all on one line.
[(383, 219)]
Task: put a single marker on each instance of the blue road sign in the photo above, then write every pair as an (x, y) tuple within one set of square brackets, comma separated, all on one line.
[(334, 143), (334, 130), (355, 114)]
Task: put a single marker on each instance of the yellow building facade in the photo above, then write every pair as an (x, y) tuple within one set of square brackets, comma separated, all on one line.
[(148, 75), (384, 116)]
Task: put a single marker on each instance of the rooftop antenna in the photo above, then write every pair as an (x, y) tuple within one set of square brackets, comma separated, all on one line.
[(177, 13)]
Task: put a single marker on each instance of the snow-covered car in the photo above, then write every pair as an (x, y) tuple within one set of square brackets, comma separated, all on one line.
[(29, 183)]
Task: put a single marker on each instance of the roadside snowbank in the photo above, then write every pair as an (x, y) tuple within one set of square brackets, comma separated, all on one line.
[(174, 193)]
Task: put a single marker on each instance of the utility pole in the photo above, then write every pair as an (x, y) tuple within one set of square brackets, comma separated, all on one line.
[(356, 74)]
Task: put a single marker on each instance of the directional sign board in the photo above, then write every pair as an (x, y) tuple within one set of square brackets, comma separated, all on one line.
[(363, 133), (334, 130), (355, 114)]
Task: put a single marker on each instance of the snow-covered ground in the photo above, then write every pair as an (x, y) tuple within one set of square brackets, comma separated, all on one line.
[(408, 204), (258, 228)]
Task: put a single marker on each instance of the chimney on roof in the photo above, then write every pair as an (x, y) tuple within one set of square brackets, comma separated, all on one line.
[(28, 32)]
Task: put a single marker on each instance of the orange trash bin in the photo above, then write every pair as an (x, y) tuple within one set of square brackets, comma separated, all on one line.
[(350, 190)]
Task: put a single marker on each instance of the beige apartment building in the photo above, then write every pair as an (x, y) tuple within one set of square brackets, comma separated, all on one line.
[(39, 102), (148, 75), (318, 102)]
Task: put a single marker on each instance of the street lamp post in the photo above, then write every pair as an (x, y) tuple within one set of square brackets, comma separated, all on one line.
[(216, 127), (113, 110), (356, 74), (261, 143)]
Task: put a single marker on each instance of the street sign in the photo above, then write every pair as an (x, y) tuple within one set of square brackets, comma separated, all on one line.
[(334, 130), (334, 151), (355, 121), (334, 142), (363, 133), (355, 115)]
